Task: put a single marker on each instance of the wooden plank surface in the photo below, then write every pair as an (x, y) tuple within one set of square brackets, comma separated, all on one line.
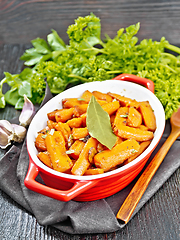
[(158, 219), (22, 21)]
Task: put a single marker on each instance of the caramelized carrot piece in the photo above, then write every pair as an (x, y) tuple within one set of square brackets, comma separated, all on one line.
[(76, 149), (44, 130), (51, 115), (94, 171), (101, 147), (75, 122), (59, 138), (121, 116), (117, 155), (143, 146), (143, 127), (134, 118), (63, 115), (79, 110), (119, 140), (82, 163), (40, 142), (51, 124), (86, 95), (72, 102), (102, 96), (83, 117), (57, 152), (91, 154), (148, 115), (44, 157), (124, 101), (64, 128), (111, 107), (79, 133), (101, 102), (112, 117), (135, 133)]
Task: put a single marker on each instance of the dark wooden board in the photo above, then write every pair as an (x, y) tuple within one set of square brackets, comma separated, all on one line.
[(22, 21), (157, 220)]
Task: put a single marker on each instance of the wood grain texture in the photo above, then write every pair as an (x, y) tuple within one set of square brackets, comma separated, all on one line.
[(157, 220), (22, 21)]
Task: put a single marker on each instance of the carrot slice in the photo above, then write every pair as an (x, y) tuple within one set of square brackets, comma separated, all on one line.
[(135, 133), (148, 115), (111, 107), (79, 110), (57, 152), (75, 122), (72, 102), (82, 164), (125, 101), (94, 171), (44, 157), (143, 146), (40, 142), (117, 155), (64, 128), (76, 149), (134, 118), (63, 115), (79, 133), (102, 96), (121, 116), (51, 115)]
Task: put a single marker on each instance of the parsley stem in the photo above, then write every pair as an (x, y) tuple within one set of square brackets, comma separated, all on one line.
[(173, 48), (166, 66), (170, 56), (1, 83), (114, 72), (97, 50), (78, 77)]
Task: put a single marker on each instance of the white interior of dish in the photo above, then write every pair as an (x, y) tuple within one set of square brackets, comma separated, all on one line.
[(124, 88)]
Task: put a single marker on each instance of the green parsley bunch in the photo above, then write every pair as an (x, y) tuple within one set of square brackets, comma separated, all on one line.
[(88, 58)]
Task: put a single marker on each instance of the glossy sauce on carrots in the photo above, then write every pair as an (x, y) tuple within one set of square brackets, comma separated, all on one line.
[(67, 146)]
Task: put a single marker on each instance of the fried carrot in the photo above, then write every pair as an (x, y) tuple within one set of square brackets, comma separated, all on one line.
[(82, 164), (117, 155), (57, 152)]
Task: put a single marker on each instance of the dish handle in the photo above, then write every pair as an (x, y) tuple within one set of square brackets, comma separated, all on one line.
[(62, 195), (133, 78)]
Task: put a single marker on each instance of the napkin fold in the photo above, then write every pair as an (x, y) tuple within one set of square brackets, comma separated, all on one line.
[(77, 217)]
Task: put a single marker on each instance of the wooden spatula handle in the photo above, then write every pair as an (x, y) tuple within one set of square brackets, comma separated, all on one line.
[(140, 186)]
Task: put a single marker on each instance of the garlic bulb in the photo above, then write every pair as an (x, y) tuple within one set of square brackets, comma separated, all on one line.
[(10, 132), (27, 113)]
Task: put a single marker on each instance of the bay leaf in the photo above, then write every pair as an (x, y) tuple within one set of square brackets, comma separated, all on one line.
[(99, 125)]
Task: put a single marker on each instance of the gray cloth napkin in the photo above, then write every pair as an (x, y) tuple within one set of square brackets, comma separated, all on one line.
[(77, 217)]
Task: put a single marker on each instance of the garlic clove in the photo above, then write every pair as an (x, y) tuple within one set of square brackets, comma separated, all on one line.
[(19, 133), (5, 140), (27, 113), (6, 127), (10, 132)]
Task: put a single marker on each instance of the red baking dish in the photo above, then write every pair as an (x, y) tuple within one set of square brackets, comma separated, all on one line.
[(65, 187)]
